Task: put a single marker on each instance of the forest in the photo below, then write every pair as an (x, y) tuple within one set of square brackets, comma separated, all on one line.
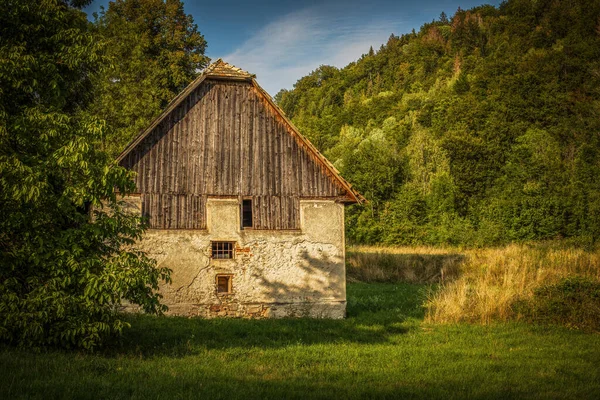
[(482, 128)]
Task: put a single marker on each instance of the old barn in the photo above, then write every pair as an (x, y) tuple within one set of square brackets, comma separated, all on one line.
[(244, 209)]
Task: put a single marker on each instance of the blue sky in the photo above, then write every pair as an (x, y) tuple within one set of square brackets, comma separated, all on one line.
[(282, 41)]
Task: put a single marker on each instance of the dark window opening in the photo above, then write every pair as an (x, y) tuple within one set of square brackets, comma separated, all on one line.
[(247, 213), (223, 283), (222, 250)]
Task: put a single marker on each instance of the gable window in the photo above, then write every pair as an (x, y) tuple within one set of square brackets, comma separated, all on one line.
[(222, 250), (247, 213), (224, 284)]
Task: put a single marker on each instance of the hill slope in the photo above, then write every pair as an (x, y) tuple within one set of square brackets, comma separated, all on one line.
[(479, 129)]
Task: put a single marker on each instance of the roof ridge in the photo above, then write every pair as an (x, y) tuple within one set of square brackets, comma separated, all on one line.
[(211, 66), (223, 69)]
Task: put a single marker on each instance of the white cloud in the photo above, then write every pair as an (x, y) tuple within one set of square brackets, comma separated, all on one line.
[(294, 45)]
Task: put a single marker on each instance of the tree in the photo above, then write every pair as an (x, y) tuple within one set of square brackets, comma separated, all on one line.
[(63, 272), (155, 50), (444, 18), (496, 132)]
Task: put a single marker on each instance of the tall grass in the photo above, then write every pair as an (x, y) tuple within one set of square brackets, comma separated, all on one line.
[(493, 281), (477, 285), (402, 264)]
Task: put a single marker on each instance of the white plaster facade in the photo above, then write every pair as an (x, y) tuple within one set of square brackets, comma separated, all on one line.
[(274, 273)]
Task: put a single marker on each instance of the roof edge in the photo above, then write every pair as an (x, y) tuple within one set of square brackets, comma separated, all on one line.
[(170, 107), (352, 193), (178, 99)]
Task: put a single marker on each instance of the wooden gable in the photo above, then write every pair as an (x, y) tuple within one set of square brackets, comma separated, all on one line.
[(224, 136)]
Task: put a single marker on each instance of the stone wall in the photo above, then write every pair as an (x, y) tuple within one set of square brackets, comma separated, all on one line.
[(273, 273)]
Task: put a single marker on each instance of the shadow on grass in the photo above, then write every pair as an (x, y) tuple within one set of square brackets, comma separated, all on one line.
[(375, 313)]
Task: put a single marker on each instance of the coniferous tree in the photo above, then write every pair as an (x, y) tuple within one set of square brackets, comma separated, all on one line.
[(155, 50)]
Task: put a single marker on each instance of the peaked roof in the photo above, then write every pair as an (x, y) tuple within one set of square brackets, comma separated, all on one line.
[(222, 70)]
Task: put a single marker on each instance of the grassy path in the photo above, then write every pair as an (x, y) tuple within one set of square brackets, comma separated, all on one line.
[(382, 350)]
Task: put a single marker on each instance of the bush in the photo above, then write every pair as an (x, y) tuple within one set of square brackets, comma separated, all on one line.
[(572, 302)]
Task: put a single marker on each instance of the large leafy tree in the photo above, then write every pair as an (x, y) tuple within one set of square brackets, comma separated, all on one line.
[(155, 51), (63, 271)]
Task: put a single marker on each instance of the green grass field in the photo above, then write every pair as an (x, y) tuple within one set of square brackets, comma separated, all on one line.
[(382, 350)]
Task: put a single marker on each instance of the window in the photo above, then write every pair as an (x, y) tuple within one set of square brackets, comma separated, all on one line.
[(247, 213), (224, 284), (222, 250)]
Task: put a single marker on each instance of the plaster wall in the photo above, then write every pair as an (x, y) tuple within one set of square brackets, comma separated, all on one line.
[(274, 273)]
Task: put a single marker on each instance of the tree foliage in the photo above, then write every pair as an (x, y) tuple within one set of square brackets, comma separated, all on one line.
[(495, 134), (63, 272), (154, 50)]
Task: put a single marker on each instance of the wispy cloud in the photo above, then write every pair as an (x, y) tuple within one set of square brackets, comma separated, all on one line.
[(294, 45)]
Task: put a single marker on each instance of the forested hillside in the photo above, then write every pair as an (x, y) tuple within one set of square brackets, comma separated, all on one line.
[(479, 129)]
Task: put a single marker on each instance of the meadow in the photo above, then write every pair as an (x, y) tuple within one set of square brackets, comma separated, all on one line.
[(542, 282), (399, 341)]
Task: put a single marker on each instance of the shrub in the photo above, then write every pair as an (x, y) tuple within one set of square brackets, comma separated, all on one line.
[(573, 302)]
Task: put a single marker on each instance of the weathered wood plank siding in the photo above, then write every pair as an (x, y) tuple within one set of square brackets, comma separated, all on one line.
[(225, 139)]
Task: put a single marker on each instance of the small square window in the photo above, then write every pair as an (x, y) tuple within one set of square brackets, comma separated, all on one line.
[(224, 284), (247, 213), (222, 250)]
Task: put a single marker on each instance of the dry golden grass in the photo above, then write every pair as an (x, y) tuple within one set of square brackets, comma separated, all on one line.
[(477, 285), (491, 281)]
